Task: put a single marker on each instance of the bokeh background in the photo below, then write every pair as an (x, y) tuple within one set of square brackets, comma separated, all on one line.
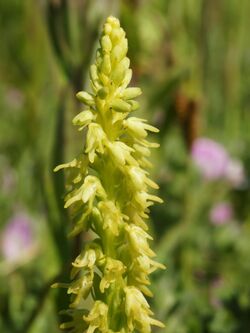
[(192, 60)]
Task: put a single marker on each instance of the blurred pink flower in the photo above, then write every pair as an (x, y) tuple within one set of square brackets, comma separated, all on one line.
[(221, 213), (17, 239), (210, 157), (235, 173)]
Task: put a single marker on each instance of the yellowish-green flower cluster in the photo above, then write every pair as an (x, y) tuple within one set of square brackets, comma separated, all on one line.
[(108, 194)]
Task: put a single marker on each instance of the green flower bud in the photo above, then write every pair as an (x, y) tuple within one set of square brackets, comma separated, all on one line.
[(114, 22), (116, 35), (117, 75), (118, 53), (106, 44), (120, 105), (134, 105), (86, 98), (93, 73), (102, 93), (107, 28), (106, 64), (130, 93), (127, 78), (83, 119)]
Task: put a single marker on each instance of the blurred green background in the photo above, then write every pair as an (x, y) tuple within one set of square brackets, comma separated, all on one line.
[(192, 60)]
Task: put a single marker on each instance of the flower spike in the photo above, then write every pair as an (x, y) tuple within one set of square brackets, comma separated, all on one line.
[(109, 194)]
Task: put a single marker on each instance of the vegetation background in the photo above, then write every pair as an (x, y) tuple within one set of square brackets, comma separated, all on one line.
[(192, 60)]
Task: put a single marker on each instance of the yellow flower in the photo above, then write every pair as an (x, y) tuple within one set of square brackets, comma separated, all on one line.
[(98, 318), (121, 153), (80, 163), (83, 119), (111, 215), (138, 128), (140, 270), (144, 200), (138, 311), (139, 178), (96, 140), (87, 259), (137, 238), (90, 188), (76, 324), (80, 289), (112, 272)]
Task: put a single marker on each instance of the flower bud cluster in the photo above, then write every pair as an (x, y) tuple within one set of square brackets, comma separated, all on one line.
[(109, 195)]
